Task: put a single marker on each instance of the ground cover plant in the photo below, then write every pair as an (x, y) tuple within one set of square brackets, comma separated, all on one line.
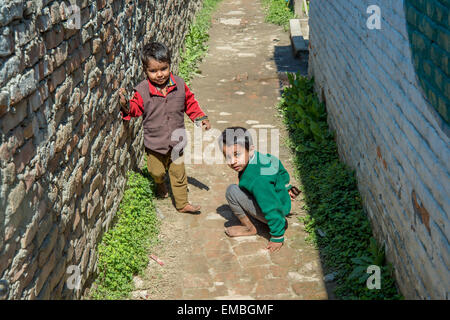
[(336, 220), (123, 251)]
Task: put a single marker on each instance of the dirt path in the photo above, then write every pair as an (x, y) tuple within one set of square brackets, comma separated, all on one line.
[(239, 85)]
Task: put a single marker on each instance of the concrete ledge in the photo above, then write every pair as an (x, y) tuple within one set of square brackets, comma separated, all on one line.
[(298, 42), (304, 28)]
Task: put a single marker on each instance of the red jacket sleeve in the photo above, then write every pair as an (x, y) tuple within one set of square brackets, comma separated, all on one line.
[(192, 108), (136, 105)]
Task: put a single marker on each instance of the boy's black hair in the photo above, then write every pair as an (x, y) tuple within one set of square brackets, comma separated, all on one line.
[(157, 51), (236, 135)]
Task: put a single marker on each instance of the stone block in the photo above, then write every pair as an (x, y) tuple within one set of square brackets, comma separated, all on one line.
[(54, 37), (10, 10), (28, 272), (80, 245), (443, 39), (96, 45), (85, 51), (44, 273), (10, 68), (45, 226), (62, 93), (25, 32), (85, 16), (15, 198), (29, 234), (38, 97), (6, 42), (60, 54), (47, 246), (87, 33), (57, 274), (8, 173), (55, 12), (16, 140), (73, 62), (43, 21), (62, 136), (77, 78), (58, 77), (26, 153), (97, 183), (297, 40), (22, 86), (4, 102), (85, 258)]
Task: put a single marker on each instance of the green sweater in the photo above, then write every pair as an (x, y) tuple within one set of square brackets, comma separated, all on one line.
[(268, 181)]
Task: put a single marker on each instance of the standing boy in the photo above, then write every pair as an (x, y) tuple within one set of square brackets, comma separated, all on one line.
[(263, 192), (162, 99)]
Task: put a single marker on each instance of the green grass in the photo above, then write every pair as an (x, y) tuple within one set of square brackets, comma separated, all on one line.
[(123, 250), (332, 199), (195, 45), (278, 12)]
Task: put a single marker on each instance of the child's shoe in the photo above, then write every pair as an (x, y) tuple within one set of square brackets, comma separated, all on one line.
[(190, 208)]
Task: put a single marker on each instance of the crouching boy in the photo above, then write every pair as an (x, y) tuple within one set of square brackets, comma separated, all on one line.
[(263, 192)]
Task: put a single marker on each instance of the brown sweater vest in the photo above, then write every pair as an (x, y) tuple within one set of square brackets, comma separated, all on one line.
[(163, 118)]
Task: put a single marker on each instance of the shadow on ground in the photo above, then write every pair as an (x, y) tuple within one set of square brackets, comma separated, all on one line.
[(286, 62)]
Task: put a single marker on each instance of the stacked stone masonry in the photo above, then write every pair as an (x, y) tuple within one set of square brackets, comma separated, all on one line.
[(64, 150), (389, 133)]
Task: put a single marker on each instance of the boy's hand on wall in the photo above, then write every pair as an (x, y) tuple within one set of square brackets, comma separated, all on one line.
[(206, 124), (123, 100), (274, 246)]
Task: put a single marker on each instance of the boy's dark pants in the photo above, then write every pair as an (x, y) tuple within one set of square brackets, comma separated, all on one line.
[(158, 164), (242, 202)]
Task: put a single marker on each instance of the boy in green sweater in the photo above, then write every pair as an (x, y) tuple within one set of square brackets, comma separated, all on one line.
[(263, 192)]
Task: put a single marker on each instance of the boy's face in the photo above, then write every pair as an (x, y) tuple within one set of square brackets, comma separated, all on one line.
[(157, 72), (237, 156)]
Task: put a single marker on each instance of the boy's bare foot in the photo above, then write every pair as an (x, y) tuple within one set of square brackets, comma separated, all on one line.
[(161, 190), (190, 208), (240, 231)]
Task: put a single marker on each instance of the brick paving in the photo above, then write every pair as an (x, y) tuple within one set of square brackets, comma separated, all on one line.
[(240, 85)]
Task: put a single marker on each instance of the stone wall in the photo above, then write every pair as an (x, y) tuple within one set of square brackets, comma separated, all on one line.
[(64, 150), (389, 131)]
